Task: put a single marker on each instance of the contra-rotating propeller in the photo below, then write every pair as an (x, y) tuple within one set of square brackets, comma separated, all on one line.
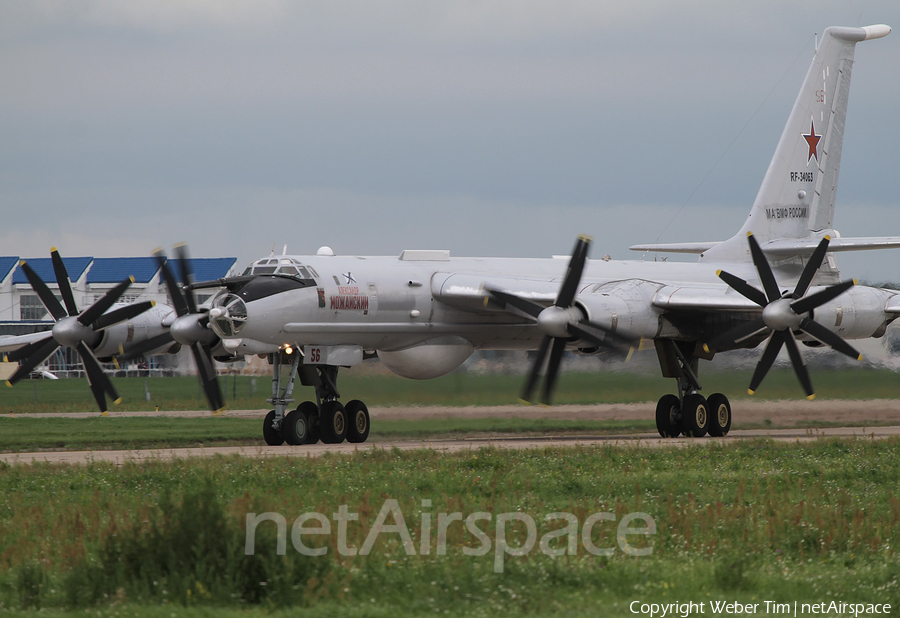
[(74, 329), (190, 327), (782, 314), (562, 322)]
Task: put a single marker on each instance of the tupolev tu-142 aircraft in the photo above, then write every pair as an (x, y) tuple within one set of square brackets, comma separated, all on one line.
[(776, 282)]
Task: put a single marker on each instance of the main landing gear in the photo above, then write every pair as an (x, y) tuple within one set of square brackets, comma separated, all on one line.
[(326, 419), (689, 413)]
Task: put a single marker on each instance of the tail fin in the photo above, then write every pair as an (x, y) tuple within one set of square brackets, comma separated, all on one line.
[(796, 199)]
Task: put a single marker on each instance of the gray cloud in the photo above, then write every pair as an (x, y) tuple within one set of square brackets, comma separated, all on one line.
[(498, 128)]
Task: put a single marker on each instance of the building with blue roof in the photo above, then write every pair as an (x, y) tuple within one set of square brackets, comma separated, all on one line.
[(76, 267), (114, 270), (7, 264), (91, 278), (205, 269)]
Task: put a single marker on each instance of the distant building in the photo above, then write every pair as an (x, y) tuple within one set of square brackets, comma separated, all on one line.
[(22, 312)]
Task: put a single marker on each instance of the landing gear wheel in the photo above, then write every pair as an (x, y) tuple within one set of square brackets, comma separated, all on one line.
[(272, 436), (296, 426), (315, 424), (719, 415), (668, 409), (695, 416), (358, 421), (333, 420)]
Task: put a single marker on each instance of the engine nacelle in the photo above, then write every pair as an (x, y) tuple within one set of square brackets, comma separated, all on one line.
[(431, 359), (858, 313), (626, 307), (136, 330)]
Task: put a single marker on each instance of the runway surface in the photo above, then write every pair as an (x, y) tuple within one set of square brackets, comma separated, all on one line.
[(646, 440)]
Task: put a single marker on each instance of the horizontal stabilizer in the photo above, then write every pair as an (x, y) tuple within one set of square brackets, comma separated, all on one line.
[(785, 246), (677, 247), (805, 246)]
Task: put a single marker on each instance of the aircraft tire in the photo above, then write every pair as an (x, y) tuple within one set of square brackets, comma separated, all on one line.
[(333, 425), (357, 421), (667, 409), (296, 426), (719, 415), (315, 422), (695, 416), (272, 436)]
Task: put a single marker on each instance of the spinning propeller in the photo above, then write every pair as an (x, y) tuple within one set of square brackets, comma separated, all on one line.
[(190, 327), (74, 329), (562, 322), (783, 314)]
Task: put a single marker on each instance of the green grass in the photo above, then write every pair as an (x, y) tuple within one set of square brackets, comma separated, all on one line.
[(456, 389), (747, 521)]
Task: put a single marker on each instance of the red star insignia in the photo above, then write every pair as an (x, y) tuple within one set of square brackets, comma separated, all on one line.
[(813, 141)]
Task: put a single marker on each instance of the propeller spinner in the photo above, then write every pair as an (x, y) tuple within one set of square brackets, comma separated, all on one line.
[(782, 315)]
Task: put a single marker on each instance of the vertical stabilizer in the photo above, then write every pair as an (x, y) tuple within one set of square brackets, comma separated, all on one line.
[(796, 199)]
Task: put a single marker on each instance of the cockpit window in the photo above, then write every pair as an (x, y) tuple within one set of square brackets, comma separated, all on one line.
[(281, 266)]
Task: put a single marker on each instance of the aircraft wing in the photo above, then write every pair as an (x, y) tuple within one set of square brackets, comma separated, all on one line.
[(467, 292), (9, 343), (699, 298)]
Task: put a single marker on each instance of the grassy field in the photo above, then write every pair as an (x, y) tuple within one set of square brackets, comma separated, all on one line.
[(457, 389), (748, 521)]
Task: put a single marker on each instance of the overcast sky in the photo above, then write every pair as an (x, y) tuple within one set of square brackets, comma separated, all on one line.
[(485, 128)]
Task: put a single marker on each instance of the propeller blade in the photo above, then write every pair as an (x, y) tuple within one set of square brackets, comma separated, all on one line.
[(145, 346), (187, 275), (39, 354), (773, 347), (26, 350), (97, 378), (797, 362), (208, 379), (93, 313), (525, 306), (766, 276), (62, 280), (808, 303), (556, 354), (827, 337), (573, 274), (175, 292), (610, 340), (121, 314), (809, 271), (531, 382), (743, 288), (40, 288), (736, 335)]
